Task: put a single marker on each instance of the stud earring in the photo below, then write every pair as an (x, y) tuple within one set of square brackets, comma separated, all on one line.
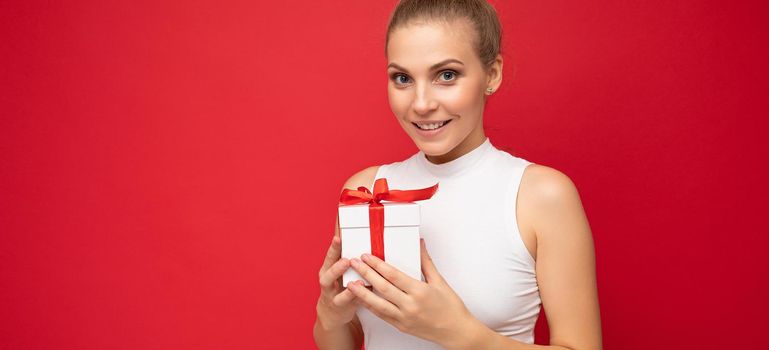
[(489, 91)]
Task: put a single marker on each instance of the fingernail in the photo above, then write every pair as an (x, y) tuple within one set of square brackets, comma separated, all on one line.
[(365, 256), (355, 262)]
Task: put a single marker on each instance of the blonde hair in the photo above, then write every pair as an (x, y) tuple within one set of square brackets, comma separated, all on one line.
[(481, 15)]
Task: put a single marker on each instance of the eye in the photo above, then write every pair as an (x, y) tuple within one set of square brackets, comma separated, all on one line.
[(448, 75), (397, 78)]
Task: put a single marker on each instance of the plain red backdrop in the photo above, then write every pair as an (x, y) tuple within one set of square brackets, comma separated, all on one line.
[(169, 171)]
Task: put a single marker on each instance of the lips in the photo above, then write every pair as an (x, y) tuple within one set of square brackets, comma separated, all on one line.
[(429, 126)]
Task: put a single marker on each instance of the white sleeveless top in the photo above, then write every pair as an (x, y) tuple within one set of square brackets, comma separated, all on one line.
[(470, 230)]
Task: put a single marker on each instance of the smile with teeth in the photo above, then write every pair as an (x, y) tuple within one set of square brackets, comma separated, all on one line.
[(431, 126)]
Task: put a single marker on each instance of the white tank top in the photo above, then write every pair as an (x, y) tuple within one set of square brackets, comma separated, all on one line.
[(470, 230)]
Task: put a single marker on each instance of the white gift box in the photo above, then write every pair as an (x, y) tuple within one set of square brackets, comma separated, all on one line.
[(401, 237)]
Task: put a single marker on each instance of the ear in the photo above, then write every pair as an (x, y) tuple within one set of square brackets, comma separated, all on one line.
[(494, 74)]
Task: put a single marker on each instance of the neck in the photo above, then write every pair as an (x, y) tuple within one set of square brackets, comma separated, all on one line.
[(471, 142)]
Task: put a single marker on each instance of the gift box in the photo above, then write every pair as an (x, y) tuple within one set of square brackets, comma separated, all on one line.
[(385, 224)]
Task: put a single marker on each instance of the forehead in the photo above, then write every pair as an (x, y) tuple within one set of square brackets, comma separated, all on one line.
[(419, 45)]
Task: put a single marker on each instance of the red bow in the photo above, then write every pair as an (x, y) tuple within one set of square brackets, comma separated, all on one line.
[(376, 209)]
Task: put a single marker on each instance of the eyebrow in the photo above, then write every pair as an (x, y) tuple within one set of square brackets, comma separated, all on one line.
[(433, 67)]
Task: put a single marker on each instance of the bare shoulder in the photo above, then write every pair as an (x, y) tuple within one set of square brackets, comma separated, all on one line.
[(565, 267), (364, 177), (546, 196), (546, 183)]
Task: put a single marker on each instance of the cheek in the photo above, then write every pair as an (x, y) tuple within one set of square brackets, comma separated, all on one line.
[(399, 102), (462, 101)]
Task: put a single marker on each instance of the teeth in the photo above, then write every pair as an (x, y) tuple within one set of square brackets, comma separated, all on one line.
[(431, 126)]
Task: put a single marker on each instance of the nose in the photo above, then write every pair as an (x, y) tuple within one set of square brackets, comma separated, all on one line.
[(424, 102)]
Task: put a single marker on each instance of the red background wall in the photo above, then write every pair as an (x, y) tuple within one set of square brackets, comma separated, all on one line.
[(169, 171)]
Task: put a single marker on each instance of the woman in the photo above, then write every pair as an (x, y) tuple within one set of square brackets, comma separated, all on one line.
[(505, 236)]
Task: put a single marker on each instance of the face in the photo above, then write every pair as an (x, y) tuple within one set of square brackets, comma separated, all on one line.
[(437, 86)]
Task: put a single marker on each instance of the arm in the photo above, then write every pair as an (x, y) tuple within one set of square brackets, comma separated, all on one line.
[(550, 203), (350, 336), (347, 337)]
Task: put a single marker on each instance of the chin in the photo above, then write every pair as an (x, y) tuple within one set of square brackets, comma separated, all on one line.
[(434, 148)]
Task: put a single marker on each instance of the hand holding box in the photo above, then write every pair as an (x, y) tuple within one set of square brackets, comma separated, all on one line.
[(389, 231)]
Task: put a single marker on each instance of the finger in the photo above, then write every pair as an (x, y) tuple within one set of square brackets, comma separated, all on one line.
[(428, 268), (392, 274), (328, 277), (380, 307), (334, 252), (344, 298), (385, 288)]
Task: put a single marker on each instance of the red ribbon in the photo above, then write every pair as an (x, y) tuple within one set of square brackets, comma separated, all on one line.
[(376, 209)]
